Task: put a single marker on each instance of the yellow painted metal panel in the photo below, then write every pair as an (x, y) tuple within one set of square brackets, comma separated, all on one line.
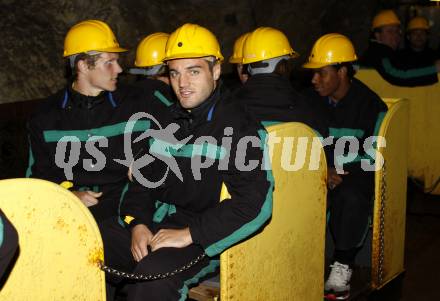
[(390, 196), (424, 142), (59, 243), (286, 260)]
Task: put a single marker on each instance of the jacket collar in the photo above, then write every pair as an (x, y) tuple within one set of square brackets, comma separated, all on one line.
[(72, 97), (203, 113)]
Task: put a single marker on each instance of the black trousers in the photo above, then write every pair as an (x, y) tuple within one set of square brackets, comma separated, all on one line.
[(117, 242), (350, 206), (106, 208), (8, 243)]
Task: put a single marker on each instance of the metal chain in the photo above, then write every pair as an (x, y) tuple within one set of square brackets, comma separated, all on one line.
[(383, 192), (133, 276)]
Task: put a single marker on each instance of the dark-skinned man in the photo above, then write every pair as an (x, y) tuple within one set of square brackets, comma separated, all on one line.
[(353, 112)]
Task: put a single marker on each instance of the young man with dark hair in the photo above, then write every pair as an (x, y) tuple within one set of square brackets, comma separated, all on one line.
[(182, 220), (351, 111), (78, 132)]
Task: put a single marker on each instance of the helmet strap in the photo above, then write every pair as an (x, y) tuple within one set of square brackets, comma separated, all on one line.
[(267, 66), (73, 57), (149, 71)]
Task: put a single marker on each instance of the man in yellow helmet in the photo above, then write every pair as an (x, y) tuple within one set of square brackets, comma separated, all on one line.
[(183, 219), (268, 94), (149, 57), (352, 112), (417, 52), (237, 58), (151, 69), (382, 54), (417, 33), (78, 132)]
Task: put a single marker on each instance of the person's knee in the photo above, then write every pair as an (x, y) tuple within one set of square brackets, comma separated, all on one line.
[(150, 266), (117, 243)]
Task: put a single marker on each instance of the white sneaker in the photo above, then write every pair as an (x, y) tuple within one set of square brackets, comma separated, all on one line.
[(337, 286)]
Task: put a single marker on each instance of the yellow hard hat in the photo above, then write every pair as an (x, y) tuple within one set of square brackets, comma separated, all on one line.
[(192, 41), (237, 54), (90, 35), (418, 23), (385, 17), (266, 43), (332, 48), (151, 50)]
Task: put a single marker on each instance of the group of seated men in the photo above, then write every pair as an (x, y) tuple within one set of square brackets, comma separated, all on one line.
[(149, 159)]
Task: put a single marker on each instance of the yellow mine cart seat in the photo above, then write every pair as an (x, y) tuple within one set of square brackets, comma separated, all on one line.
[(59, 244), (390, 196), (286, 260), (424, 129)]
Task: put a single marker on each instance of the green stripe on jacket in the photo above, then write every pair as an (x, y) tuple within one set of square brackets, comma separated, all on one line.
[(252, 226), (206, 149), (105, 131), (410, 73)]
